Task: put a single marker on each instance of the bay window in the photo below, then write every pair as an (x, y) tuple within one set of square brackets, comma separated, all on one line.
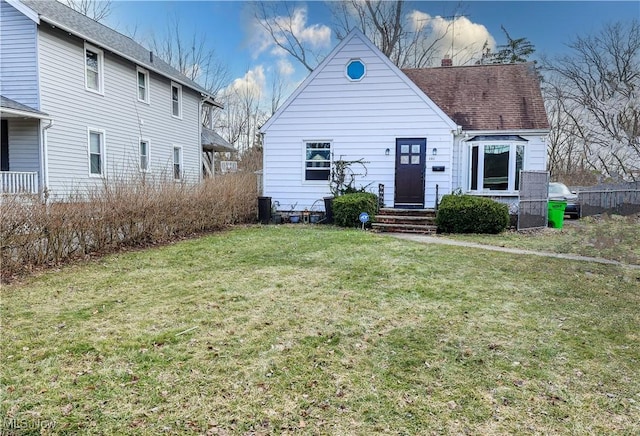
[(495, 163)]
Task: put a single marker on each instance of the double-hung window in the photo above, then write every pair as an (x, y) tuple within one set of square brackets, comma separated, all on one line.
[(177, 163), (96, 152), (317, 163), (144, 155), (143, 85), (176, 100), (495, 163), (94, 69)]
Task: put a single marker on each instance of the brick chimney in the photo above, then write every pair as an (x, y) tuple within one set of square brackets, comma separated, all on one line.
[(446, 61)]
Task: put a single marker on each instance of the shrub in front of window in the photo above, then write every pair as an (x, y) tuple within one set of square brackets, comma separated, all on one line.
[(469, 214), (348, 207)]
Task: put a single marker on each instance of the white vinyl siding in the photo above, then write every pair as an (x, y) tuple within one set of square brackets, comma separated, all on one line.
[(176, 100), (118, 112), (94, 69), (142, 77), (96, 149), (18, 57), (362, 119)]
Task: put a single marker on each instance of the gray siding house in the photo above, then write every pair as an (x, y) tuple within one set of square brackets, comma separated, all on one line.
[(83, 104)]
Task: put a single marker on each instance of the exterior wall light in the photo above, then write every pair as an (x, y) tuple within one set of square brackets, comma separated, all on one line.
[(386, 152), (434, 151)]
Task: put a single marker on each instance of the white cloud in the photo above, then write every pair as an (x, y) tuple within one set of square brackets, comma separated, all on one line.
[(465, 37), (314, 35), (252, 82), (285, 68)]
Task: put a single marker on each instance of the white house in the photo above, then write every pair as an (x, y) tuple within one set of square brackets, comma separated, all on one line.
[(82, 103), (420, 131)]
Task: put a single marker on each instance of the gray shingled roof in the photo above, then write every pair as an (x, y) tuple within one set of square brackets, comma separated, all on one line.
[(60, 15), (486, 97), (212, 141), (7, 103)]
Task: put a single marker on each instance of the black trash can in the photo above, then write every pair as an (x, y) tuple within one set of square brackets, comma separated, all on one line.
[(264, 210), (328, 210)]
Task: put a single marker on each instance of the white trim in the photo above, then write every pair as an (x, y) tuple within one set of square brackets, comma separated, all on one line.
[(353, 34), (145, 140), (304, 161), (511, 169), (346, 70), (181, 163), (100, 54), (147, 83), (103, 151), (25, 10), (179, 88)]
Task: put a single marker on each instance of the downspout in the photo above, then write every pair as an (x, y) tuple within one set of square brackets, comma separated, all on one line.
[(44, 161)]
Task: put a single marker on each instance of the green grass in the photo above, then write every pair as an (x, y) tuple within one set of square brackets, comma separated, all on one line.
[(612, 237), (323, 331)]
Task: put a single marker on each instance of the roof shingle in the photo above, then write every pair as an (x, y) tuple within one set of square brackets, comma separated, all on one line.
[(486, 97)]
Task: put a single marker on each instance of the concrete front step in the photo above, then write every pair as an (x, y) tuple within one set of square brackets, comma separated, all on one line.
[(403, 228)]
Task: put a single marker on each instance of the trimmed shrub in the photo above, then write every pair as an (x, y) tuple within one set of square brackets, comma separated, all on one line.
[(470, 214), (347, 208)]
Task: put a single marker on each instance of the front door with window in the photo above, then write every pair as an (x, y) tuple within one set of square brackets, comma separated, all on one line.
[(410, 165)]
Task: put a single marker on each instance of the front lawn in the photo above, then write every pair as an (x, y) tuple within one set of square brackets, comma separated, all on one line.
[(318, 330), (612, 237)]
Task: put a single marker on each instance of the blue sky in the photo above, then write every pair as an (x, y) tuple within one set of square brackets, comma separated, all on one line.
[(231, 31)]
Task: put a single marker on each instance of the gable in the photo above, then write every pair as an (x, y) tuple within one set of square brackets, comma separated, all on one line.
[(382, 84), (486, 97)]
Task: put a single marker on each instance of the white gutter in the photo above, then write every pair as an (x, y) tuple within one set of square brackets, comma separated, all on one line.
[(24, 114)]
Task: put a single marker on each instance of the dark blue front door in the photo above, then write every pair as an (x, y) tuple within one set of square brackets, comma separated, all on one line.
[(410, 165)]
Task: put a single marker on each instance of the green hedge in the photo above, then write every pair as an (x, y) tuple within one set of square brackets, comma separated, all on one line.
[(347, 208), (470, 214)]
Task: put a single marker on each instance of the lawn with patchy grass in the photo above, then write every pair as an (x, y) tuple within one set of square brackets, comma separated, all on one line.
[(612, 237), (323, 331)]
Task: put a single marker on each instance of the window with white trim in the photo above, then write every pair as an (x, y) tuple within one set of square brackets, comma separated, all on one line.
[(495, 163), (96, 152), (177, 163), (143, 150), (317, 163), (176, 100), (94, 69), (143, 85)]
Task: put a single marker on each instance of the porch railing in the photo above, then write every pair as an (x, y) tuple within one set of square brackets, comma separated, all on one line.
[(18, 182)]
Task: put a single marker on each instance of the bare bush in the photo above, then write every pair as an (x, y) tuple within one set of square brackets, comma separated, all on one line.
[(119, 215)]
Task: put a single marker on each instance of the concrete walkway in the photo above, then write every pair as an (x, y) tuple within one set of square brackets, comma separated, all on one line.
[(426, 239)]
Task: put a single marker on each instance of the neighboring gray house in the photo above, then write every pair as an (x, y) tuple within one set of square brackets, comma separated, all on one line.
[(82, 103), (423, 132)]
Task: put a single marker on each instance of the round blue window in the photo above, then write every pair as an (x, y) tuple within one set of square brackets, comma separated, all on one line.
[(355, 70)]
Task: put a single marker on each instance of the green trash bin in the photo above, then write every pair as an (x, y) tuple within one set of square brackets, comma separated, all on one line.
[(556, 213)]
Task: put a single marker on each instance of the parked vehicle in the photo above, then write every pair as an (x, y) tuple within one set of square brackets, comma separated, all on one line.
[(559, 191)]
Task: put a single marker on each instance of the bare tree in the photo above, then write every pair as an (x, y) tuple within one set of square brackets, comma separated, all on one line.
[(240, 121), (189, 53), (409, 43), (94, 9), (279, 21), (598, 84)]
